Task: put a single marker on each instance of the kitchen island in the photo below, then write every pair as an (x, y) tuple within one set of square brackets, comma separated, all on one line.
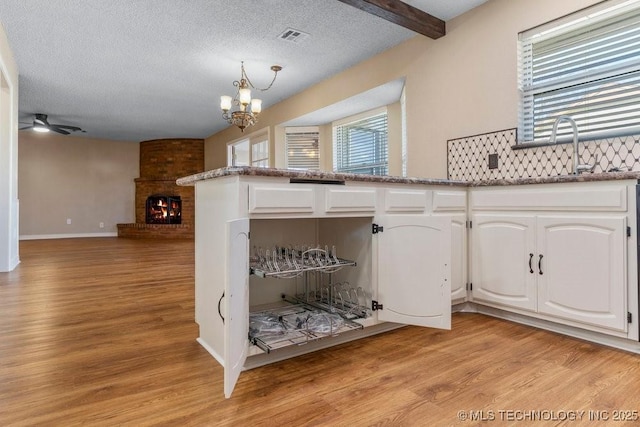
[(558, 253)]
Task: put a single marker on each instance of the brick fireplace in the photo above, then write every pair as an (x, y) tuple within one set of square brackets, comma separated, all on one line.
[(162, 161)]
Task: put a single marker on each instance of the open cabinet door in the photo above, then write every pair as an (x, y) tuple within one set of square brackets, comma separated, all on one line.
[(236, 303), (414, 270)]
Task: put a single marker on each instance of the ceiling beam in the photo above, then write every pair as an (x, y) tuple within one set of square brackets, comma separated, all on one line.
[(402, 14)]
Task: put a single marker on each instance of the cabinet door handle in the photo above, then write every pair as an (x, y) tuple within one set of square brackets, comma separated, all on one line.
[(540, 264), (219, 312), (530, 266)]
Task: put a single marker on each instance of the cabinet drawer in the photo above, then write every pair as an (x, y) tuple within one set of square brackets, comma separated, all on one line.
[(274, 199), (586, 198), (449, 201), (350, 200), (405, 200)]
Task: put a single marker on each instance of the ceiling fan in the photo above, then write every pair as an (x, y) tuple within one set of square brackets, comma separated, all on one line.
[(40, 124)]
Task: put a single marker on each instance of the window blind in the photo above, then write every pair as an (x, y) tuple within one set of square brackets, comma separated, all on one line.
[(589, 70), (303, 150), (361, 146)]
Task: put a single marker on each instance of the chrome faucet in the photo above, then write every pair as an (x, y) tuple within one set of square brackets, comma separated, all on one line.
[(577, 168)]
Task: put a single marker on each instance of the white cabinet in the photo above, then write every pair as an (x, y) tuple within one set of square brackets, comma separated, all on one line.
[(282, 199), (502, 253), (409, 278), (414, 271), (571, 267), (582, 269), (397, 269), (350, 200), (458, 257), (404, 200), (554, 253), (267, 199), (452, 204), (236, 324)]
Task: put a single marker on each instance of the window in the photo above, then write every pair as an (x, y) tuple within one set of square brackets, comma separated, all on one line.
[(587, 66), (260, 153), (303, 148), (252, 151), (238, 154), (360, 146)]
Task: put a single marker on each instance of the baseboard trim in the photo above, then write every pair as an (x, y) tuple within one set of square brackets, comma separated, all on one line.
[(10, 266), (14, 263), (66, 236), (583, 334)]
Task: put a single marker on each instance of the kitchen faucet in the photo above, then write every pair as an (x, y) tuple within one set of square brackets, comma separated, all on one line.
[(577, 168)]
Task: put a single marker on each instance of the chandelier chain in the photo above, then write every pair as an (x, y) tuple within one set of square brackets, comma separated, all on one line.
[(275, 70)]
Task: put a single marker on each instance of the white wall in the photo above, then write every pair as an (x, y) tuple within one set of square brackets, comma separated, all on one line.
[(9, 255)]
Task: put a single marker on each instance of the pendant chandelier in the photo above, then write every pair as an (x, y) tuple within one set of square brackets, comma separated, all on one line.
[(248, 109)]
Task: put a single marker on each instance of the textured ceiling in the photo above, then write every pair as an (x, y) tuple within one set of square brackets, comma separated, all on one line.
[(146, 69)]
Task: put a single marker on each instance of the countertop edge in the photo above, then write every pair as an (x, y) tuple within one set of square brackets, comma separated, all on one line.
[(313, 175), (318, 175)]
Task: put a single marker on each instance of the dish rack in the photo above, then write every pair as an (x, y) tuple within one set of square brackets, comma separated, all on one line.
[(290, 262), (322, 309)]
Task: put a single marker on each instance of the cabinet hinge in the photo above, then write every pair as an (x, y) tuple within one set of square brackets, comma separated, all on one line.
[(375, 306), (470, 286), (375, 228), (249, 236), (628, 231), (629, 317)]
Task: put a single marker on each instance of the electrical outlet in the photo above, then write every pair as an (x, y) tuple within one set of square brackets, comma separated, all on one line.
[(68, 221), (493, 161), (101, 225)]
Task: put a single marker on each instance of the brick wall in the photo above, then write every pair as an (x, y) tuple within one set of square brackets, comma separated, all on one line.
[(162, 161), (156, 231), (171, 158)]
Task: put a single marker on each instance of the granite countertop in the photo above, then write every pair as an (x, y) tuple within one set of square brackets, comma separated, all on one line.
[(585, 177), (311, 175), (329, 176)]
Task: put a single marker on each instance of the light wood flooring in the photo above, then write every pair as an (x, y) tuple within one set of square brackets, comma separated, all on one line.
[(100, 332)]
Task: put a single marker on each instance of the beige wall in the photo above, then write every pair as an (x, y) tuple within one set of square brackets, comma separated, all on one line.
[(87, 180), (9, 253), (462, 84)]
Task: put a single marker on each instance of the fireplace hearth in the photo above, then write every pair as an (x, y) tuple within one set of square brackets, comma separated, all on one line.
[(161, 209)]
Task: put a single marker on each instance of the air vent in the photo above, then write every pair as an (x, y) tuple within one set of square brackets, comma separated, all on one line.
[(294, 36)]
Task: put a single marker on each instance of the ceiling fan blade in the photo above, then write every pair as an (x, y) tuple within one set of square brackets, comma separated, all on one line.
[(41, 121), (25, 128), (57, 129), (72, 128)]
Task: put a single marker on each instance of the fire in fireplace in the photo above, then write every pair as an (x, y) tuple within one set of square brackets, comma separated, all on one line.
[(164, 209)]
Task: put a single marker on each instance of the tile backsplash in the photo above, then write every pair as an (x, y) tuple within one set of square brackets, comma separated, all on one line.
[(468, 157)]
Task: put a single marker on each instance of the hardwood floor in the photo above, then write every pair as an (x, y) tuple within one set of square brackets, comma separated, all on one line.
[(101, 332)]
